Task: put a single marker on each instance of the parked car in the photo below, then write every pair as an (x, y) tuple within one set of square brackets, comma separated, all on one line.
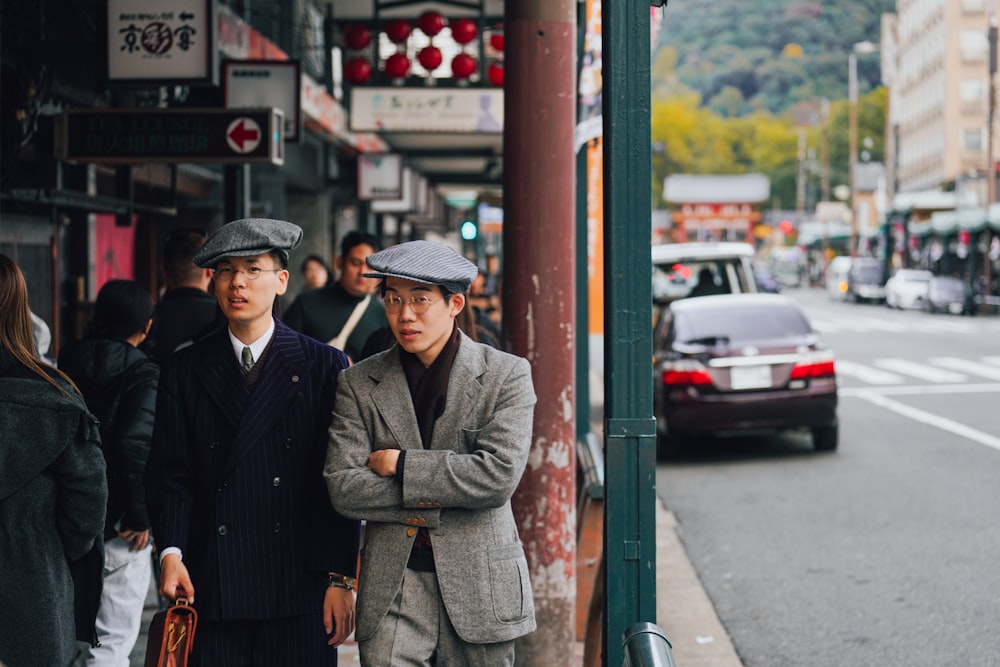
[(866, 280), (766, 280), (691, 269), (907, 288), (741, 364), (836, 277), (948, 294)]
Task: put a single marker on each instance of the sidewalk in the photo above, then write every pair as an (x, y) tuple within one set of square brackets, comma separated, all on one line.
[(683, 610)]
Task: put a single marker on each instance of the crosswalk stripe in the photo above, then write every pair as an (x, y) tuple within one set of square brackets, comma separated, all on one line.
[(966, 366), (866, 373), (921, 371)]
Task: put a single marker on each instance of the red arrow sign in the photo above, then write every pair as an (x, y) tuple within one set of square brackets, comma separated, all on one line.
[(243, 135)]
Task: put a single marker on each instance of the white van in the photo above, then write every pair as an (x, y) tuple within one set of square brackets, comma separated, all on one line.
[(702, 268), (836, 277)]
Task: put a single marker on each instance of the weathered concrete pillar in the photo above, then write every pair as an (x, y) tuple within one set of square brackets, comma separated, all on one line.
[(539, 300)]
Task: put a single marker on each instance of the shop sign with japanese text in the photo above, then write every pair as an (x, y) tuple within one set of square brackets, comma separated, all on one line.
[(425, 110), (156, 43)]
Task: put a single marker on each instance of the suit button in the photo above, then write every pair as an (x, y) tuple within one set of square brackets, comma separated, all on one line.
[(222, 530), (276, 481), (277, 527), (410, 532), (295, 378), (213, 445), (288, 443)]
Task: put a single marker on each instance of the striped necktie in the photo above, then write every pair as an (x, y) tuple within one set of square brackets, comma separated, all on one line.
[(247, 360)]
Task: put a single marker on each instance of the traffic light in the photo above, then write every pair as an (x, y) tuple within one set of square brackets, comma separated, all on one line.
[(469, 230)]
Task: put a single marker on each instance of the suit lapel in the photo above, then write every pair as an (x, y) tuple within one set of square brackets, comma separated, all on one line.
[(220, 375), (285, 366), (464, 390), (391, 398)]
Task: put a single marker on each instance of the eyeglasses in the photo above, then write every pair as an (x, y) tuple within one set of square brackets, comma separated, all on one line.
[(226, 274), (419, 304)]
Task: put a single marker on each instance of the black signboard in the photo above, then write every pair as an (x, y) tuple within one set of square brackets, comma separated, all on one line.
[(131, 136)]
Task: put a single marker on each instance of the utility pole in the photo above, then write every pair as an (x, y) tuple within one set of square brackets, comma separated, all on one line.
[(991, 169)]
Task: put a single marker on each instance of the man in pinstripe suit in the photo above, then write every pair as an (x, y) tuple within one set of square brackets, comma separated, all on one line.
[(236, 496)]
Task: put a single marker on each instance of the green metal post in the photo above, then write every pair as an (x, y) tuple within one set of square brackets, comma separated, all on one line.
[(629, 426)]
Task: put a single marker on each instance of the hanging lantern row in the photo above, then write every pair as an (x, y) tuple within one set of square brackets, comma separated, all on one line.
[(357, 37)]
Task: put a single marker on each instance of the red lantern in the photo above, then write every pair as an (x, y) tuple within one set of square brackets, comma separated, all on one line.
[(431, 23), (496, 41), (463, 31), (430, 58), (495, 73), (357, 70), (397, 65), (463, 65), (398, 30), (357, 36)]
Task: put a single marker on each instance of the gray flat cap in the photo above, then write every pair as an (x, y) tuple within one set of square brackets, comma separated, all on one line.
[(248, 238), (424, 262)]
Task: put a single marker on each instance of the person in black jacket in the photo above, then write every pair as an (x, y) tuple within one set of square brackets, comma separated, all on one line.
[(53, 492), (119, 382), (186, 311)]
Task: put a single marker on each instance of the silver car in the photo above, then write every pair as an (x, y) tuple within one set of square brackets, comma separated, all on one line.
[(907, 288)]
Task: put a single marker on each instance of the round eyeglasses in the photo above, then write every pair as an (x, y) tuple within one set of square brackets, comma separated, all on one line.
[(226, 274), (418, 304)]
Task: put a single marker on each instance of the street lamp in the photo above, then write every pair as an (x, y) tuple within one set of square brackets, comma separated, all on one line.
[(859, 48)]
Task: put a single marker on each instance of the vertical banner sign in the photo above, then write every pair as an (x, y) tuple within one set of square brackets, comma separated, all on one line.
[(114, 251), (153, 43), (260, 83), (590, 88)]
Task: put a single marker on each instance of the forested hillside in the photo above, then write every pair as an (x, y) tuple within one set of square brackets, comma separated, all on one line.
[(737, 84), (743, 56)]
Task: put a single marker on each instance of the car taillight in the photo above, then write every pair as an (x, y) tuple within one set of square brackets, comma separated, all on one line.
[(817, 365), (685, 374)]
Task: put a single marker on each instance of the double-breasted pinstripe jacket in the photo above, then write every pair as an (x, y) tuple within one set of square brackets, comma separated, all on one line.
[(235, 477)]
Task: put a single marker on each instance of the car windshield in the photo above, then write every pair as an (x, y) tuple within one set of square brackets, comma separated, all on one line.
[(739, 325), (951, 286), (915, 277), (868, 272)]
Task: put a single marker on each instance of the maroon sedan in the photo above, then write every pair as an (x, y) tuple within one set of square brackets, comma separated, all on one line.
[(740, 364)]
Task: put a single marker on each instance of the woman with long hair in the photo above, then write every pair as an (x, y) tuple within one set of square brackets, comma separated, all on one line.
[(53, 491)]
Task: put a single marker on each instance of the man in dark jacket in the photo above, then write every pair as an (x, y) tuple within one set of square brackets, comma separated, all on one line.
[(186, 310), (118, 382), (235, 476), (344, 313)]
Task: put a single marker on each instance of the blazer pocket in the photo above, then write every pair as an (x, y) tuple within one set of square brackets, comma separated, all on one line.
[(510, 585)]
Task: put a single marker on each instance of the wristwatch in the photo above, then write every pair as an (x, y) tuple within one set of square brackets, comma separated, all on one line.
[(338, 580)]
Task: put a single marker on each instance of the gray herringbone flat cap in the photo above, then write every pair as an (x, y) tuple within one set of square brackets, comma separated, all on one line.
[(248, 238), (425, 262)]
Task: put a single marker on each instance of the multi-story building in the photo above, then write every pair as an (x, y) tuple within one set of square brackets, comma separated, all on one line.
[(936, 64)]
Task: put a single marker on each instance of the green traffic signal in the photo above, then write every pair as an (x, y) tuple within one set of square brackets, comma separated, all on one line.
[(469, 230)]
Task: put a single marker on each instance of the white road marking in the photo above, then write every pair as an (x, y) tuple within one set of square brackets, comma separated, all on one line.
[(967, 366), (930, 419), (866, 373), (921, 371)]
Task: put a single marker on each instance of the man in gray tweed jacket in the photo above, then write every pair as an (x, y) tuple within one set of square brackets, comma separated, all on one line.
[(428, 443)]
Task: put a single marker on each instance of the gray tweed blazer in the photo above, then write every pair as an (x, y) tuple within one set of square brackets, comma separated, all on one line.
[(459, 488)]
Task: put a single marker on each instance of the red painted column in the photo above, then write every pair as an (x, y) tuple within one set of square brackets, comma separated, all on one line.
[(539, 301)]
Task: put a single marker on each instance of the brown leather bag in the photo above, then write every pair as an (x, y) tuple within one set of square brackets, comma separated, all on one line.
[(171, 635)]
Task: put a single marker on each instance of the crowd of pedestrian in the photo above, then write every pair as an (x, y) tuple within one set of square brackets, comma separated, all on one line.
[(209, 444)]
